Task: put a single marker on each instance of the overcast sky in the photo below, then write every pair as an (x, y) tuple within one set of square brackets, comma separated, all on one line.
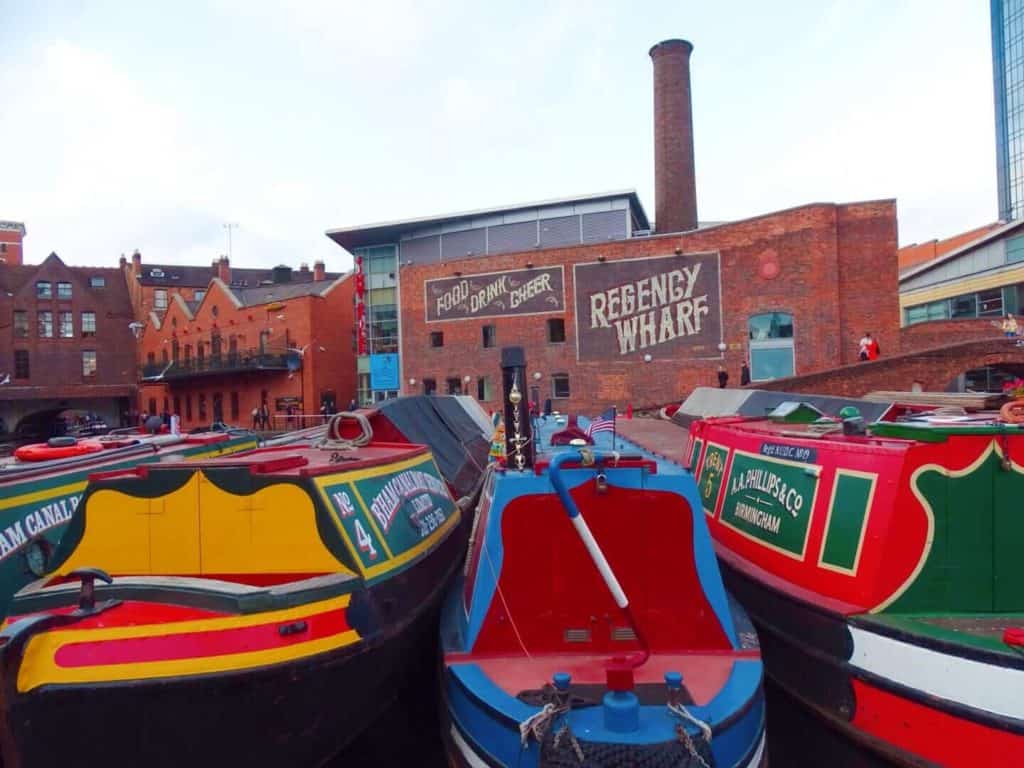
[(150, 125)]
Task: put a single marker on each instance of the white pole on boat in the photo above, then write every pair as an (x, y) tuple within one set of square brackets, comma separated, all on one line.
[(600, 561)]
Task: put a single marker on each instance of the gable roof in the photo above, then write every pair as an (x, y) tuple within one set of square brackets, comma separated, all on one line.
[(190, 276)]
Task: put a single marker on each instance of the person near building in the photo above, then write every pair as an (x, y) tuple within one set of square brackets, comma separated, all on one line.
[(873, 349), (255, 417), (353, 405), (175, 424), (1010, 327), (723, 377), (744, 374), (863, 346), (265, 415)]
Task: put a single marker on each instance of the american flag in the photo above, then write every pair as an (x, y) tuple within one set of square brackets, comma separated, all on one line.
[(603, 423)]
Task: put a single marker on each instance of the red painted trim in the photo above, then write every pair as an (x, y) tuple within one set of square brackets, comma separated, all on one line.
[(188, 645), (626, 462), (930, 734)]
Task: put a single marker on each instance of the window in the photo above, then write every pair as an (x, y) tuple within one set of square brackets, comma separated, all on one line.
[(559, 385), (429, 386), (188, 353), (490, 336), (964, 306), (3, 247), (165, 356), (152, 406), (199, 295), (88, 363), (177, 405), (21, 364), (202, 407), (46, 325), (771, 346), (97, 282), (483, 388), (151, 358), (234, 406), (88, 323), (160, 298), (437, 339), (44, 290), (556, 331), (175, 350), (990, 303), (63, 290), (453, 386), (188, 407), (20, 324), (66, 327)]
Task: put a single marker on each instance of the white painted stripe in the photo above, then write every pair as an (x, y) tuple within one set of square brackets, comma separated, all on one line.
[(467, 751), (598, 557), (975, 684), (755, 761)]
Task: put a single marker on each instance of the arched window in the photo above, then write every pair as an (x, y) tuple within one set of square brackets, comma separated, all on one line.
[(771, 346)]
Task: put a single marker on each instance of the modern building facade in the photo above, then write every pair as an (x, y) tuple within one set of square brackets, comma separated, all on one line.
[(65, 342), (614, 309), (1007, 19)]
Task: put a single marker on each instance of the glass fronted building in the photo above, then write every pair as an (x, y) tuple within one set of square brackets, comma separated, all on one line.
[(1008, 84), (380, 268)]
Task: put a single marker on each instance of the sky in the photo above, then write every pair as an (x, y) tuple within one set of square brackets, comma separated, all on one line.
[(151, 126)]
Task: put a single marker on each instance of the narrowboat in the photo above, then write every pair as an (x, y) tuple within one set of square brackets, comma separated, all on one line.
[(41, 488), (879, 562), (589, 626), (260, 609)]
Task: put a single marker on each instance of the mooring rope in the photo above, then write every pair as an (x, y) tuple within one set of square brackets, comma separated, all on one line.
[(333, 441)]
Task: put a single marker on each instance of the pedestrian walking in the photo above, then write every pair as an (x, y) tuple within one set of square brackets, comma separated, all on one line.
[(744, 374), (255, 417), (864, 345), (265, 415), (1010, 327), (723, 377)]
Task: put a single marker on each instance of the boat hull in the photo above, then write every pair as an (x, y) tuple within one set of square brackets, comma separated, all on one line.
[(300, 713), (872, 720)]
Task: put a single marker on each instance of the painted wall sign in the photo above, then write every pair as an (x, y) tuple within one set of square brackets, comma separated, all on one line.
[(791, 452), (384, 371), (393, 514), (662, 305), (770, 501), (495, 294)]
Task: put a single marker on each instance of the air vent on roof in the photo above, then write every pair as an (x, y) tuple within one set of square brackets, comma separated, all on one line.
[(156, 273), (577, 635)]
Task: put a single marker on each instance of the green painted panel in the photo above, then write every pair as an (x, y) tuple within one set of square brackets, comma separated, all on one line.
[(850, 501), (695, 454), (408, 506), (348, 512), (1008, 544), (771, 500), (711, 473)]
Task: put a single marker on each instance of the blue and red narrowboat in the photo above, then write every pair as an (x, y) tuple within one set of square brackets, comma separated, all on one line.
[(590, 626), (256, 610)]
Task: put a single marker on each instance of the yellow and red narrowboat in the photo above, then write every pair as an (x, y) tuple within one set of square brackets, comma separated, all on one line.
[(257, 610)]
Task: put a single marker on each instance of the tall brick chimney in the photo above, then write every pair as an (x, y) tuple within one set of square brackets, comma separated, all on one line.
[(675, 186), (224, 270), (319, 272)]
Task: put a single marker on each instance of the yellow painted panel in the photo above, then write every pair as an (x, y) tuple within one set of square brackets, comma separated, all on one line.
[(116, 536), (966, 285), (174, 530), (271, 531)]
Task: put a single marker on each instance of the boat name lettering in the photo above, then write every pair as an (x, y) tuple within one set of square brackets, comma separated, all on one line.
[(344, 503), (793, 452), (768, 482), (758, 517), (715, 461), (35, 522), (399, 488)]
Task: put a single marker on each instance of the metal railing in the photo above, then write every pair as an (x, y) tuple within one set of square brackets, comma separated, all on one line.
[(266, 359)]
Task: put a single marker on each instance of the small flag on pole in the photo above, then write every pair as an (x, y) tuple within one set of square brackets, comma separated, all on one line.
[(603, 423)]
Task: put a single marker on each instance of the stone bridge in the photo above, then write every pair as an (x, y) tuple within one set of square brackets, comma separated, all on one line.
[(929, 369)]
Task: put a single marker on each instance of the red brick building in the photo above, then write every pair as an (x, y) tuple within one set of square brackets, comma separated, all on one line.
[(12, 233), (284, 342), (65, 341), (612, 309)]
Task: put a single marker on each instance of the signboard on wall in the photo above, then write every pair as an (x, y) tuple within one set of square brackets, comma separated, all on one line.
[(495, 294), (384, 371), (664, 306)]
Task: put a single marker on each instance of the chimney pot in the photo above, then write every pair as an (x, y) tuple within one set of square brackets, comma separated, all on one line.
[(319, 272), (224, 270), (675, 186), (303, 267), (136, 258)]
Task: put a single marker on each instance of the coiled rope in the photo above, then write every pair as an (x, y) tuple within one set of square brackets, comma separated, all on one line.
[(333, 441)]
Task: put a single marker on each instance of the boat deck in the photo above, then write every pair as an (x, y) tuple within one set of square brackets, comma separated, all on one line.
[(664, 439), (980, 631)]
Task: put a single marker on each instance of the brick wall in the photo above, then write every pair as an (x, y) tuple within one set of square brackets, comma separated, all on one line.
[(11, 247), (786, 261), (940, 333)]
